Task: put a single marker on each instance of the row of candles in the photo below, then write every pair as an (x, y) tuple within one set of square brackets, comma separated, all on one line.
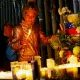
[(23, 70)]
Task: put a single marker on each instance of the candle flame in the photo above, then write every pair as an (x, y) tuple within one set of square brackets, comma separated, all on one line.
[(29, 32)]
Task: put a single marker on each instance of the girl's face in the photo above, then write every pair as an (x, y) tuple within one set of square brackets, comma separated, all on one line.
[(30, 17)]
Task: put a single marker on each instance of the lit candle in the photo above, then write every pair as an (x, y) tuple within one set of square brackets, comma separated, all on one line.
[(38, 59), (21, 74), (2, 75), (5, 75), (43, 71), (50, 66), (8, 75), (29, 32), (29, 75), (50, 63), (73, 60)]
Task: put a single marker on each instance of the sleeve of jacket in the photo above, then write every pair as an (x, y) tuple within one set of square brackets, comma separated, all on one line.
[(17, 35), (44, 39)]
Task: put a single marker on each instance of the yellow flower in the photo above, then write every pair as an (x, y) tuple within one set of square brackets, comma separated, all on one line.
[(63, 10), (54, 41), (61, 53), (76, 50), (78, 29)]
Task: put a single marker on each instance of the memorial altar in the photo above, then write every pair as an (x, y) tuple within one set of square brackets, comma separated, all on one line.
[(23, 71), (68, 49)]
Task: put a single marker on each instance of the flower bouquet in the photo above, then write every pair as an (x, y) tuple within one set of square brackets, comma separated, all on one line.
[(69, 36)]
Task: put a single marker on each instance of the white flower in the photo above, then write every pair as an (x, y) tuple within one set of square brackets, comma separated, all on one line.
[(63, 10)]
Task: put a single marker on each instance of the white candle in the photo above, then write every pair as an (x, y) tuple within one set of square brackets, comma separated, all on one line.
[(50, 63), (29, 75), (50, 66), (43, 71), (21, 74), (6, 75), (72, 59), (2, 75)]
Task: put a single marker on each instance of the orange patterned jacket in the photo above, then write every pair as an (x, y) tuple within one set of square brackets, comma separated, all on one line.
[(26, 40)]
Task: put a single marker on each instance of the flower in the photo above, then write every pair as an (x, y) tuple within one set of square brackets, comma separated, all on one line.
[(68, 40), (61, 53), (64, 54), (78, 29), (76, 50), (54, 41), (64, 10)]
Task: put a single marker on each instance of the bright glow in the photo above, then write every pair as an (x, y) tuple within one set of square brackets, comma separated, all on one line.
[(72, 59), (21, 74), (69, 65), (43, 71), (6, 75), (29, 32), (29, 74)]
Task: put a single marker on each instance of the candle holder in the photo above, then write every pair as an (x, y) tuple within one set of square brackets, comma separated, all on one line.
[(18, 70), (13, 69)]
